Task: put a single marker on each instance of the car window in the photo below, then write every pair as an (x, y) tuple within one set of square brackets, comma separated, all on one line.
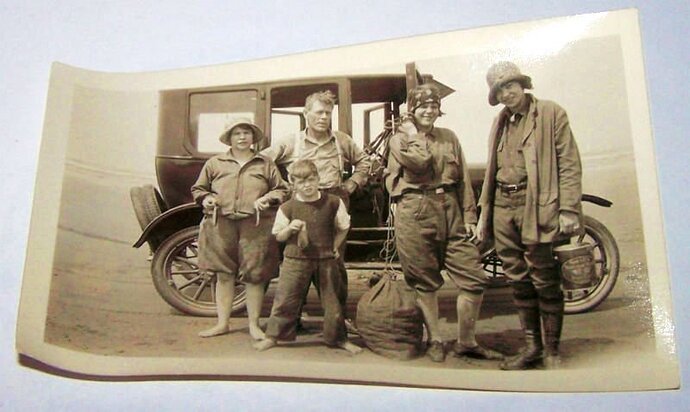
[(361, 129), (284, 122), (210, 112)]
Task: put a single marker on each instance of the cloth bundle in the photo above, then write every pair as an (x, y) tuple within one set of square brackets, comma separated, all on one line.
[(389, 320)]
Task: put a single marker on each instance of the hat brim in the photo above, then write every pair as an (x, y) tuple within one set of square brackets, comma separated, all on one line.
[(258, 135), (525, 81)]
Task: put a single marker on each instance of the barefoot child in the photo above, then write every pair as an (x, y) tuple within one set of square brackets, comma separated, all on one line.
[(314, 225), (237, 189)]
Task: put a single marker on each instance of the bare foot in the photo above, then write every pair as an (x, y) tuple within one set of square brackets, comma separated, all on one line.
[(350, 347), (214, 331), (264, 344), (256, 333)]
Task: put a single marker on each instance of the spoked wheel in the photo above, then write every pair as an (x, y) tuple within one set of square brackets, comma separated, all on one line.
[(177, 279), (606, 267)]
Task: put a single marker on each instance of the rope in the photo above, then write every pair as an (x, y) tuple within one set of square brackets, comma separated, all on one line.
[(388, 251), (378, 150)]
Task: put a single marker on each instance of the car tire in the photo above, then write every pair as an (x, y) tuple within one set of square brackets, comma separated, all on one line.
[(607, 265), (177, 279), (148, 204)]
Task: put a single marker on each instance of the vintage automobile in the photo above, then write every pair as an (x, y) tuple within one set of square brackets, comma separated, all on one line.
[(190, 121)]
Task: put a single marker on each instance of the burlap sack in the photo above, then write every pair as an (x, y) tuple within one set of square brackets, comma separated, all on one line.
[(389, 321)]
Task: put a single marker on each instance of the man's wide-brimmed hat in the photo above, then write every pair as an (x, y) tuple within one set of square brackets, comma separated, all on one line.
[(424, 93), (502, 73), (258, 134)]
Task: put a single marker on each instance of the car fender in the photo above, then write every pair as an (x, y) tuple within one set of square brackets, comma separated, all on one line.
[(171, 221), (599, 201)]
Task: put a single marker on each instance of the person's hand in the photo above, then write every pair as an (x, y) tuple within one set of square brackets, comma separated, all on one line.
[(471, 231), (209, 202), (407, 126), (482, 226), (350, 186), (568, 222), (261, 204), (296, 225)]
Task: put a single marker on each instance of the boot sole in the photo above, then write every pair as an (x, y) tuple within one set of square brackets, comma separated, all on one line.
[(531, 364)]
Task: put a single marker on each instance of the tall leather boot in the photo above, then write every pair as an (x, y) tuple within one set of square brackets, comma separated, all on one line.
[(531, 353), (552, 326)]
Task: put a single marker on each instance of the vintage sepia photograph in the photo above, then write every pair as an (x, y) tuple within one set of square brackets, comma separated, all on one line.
[(473, 209)]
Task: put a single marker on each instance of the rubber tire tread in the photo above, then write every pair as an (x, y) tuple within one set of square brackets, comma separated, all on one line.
[(168, 293), (145, 203)]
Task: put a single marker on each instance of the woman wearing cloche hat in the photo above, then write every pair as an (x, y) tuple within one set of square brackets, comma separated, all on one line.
[(435, 219)]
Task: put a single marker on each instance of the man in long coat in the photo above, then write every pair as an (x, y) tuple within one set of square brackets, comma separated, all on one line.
[(530, 201)]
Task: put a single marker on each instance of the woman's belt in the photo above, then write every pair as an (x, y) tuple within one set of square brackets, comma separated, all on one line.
[(430, 191)]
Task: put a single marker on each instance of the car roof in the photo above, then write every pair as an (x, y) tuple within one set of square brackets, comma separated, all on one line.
[(369, 88)]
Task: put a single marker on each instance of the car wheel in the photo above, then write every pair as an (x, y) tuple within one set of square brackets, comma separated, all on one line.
[(177, 279), (606, 267)]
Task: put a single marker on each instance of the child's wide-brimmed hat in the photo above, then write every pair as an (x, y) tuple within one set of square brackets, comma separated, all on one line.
[(502, 73), (258, 134)]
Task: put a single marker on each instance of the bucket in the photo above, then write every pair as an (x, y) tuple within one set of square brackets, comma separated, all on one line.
[(577, 265)]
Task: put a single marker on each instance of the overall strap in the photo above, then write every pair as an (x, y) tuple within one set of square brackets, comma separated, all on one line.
[(297, 148), (339, 149)]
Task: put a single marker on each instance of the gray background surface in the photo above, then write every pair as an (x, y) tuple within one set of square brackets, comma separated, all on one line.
[(130, 37)]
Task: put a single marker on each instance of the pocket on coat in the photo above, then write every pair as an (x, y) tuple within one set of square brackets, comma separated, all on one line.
[(547, 212), (412, 177), (453, 167), (546, 197)]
